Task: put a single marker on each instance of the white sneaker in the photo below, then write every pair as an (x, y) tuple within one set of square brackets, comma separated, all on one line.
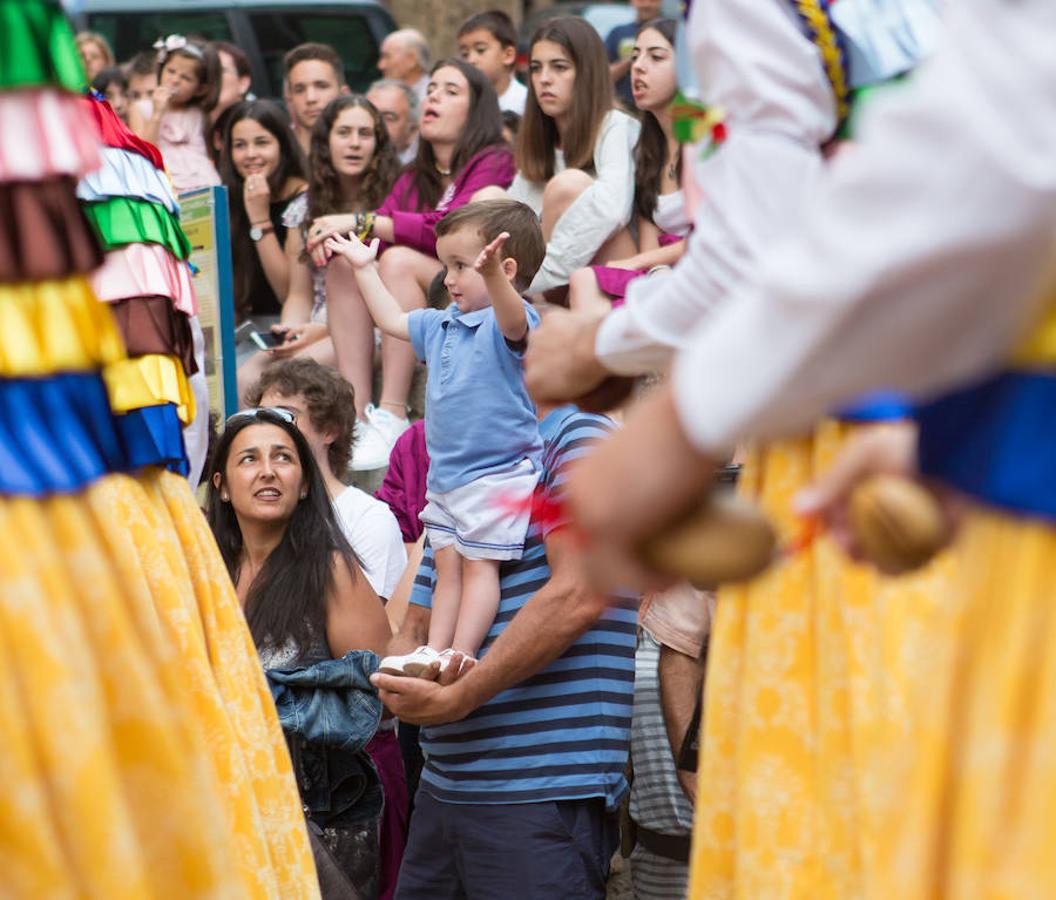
[(446, 656), (411, 664), (376, 438)]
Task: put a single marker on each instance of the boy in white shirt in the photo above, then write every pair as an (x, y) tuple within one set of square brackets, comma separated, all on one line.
[(488, 41)]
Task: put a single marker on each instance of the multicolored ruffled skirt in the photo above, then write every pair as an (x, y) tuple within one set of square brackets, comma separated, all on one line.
[(141, 753)]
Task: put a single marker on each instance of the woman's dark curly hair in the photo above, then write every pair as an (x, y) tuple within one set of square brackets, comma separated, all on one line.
[(325, 195), (287, 599)]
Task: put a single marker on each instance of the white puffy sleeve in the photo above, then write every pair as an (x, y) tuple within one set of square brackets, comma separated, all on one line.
[(927, 253), (600, 211)]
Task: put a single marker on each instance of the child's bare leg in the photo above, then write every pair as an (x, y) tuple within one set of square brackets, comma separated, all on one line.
[(480, 604), (447, 596)]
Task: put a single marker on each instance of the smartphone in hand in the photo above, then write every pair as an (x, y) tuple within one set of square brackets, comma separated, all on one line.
[(267, 340)]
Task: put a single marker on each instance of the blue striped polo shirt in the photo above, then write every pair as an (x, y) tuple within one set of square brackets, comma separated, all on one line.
[(564, 733)]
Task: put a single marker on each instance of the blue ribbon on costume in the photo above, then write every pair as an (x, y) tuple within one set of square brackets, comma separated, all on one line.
[(58, 435), (153, 436), (996, 441), (880, 406)]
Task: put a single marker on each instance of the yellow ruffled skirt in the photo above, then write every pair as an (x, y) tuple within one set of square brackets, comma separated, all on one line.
[(142, 756), (977, 815), (812, 672)]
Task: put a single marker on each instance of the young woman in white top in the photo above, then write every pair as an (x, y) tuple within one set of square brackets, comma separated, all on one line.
[(574, 153), (659, 206)]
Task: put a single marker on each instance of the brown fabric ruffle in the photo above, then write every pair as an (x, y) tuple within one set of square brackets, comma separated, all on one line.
[(43, 232), (153, 325)]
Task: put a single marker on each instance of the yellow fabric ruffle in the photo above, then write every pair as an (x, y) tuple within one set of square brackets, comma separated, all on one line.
[(811, 672), (149, 380), (55, 326), (142, 756), (1039, 349), (975, 816)]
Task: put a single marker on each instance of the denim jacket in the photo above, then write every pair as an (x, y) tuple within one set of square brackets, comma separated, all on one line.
[(329, 711)]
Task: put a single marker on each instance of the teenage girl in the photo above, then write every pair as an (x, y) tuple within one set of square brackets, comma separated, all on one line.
[(187, 91), (263, 168), (575, 153), (352, 166), (659, 205)]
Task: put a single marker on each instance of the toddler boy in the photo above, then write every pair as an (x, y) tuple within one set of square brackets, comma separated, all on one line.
[(481, 431)]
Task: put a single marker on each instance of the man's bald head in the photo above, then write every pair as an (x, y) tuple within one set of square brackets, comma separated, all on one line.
[(404, 55)]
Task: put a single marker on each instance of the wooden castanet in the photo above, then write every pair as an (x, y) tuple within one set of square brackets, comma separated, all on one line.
[(898, 524)]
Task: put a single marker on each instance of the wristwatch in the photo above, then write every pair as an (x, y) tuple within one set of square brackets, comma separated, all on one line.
[(256, 232)]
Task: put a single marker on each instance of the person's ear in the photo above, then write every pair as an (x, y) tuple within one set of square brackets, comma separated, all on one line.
[(509, 56), (217, 483), (244, 83), (509, 268), (345, 89)]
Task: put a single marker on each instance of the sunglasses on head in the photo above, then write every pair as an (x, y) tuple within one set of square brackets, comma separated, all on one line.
[(262, 413)]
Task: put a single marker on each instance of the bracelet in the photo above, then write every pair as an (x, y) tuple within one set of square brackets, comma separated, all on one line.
[(364, 225)]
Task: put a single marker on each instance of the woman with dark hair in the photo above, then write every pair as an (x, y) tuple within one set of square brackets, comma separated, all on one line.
[(263, 169), (306, 602), (353, 165), (574, 152), (461, 157), (658, 202)]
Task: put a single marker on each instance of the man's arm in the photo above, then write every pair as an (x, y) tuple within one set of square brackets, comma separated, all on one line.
[(543, 629), (681, 681)]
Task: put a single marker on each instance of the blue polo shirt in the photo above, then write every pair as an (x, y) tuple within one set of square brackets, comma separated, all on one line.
[(479, 418)]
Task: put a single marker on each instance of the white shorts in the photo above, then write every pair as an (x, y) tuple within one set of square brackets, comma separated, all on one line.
[(485, 519)]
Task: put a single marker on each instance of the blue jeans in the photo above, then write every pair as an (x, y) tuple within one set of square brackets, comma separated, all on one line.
[(531, 851)]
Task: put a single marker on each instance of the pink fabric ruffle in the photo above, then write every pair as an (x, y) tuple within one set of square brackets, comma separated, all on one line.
[(145, 270), (45, 133)]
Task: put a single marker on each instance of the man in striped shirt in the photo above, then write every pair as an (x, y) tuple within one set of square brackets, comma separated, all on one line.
[(525, 752)]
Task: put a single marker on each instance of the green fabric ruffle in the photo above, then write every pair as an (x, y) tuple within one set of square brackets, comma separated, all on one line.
[(37, 48), (121, 221)]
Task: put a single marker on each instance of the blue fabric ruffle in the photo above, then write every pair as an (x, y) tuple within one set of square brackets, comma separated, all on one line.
[(58, 435), (153, 436), (995, 442), (881, 406)]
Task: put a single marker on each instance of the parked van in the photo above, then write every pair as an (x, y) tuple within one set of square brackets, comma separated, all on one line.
[(264, 29)]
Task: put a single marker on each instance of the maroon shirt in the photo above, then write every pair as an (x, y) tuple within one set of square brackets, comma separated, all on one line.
[(415, 228), (403, 488)]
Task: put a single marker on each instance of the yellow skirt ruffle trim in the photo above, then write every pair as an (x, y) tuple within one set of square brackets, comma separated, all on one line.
[(55, 326), (813, 669), (975, 816), (149, 381), (142, 754)]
